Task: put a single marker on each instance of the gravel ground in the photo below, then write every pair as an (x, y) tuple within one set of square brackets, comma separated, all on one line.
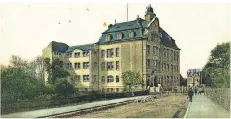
[(166, 107)]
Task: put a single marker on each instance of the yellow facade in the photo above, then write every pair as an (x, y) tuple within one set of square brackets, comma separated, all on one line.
[(145, 48)]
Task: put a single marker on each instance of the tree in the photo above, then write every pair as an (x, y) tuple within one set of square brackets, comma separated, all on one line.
[(130, 80), (39, 68), (55, 70), (216, 71), (63, 87)]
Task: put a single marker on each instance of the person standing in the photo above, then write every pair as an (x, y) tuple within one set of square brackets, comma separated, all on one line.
[(190, 94), (195, 91)]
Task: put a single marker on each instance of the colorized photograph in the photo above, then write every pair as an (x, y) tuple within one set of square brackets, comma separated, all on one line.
[(115, 60)]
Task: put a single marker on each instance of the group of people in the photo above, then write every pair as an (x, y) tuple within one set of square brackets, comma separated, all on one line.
[(194, 91)]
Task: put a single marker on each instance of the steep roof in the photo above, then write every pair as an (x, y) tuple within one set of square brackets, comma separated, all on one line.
[(137, 26), (80, 47), (166, 41), (59, 47)]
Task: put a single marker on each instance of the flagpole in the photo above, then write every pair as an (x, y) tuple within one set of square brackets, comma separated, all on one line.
[(127, 11)]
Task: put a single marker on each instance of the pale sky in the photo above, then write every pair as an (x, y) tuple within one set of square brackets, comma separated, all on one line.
[(25, 29)]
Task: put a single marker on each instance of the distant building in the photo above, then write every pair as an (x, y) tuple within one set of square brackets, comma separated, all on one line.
[(194, 77), (140, 45)]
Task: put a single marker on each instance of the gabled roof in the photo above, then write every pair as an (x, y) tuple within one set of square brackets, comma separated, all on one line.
[(80, 47)]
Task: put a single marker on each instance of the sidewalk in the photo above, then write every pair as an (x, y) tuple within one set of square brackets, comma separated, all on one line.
[(51, 111), (203, 107)]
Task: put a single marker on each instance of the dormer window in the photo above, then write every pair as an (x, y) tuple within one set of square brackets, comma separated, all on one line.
[(108, 37), (131, 34), (119, 36)]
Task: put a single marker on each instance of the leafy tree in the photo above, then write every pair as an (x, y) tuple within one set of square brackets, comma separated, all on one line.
[(55, 70), (216, 71), (63, 87), (130, 80)]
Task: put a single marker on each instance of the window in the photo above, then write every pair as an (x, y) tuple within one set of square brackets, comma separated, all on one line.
[(119, 36), (131, 34), (85, 53), (77, 54), (117, 52), (68, 65), (85, 78), (155, 63), (77, 77), (102, 53), (148, 49), (110, 52), (117, 90), (103, 79), (68, 54), (109, 65), (155, 50), (85, 65), (77, 65), (117, 65), (117, 79), (172, 68), (95, 64), (110, 78), (165, 69), (108, 37), (103, 66), (148, 63)]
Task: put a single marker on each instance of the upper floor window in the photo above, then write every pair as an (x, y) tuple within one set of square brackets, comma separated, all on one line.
[(77, 77), (85, 65), (148, 63), (110, 52), (77, 54), (68, 65), (117, 65), (155, 63), (117, 79), (85, 53), (110, 78), (131, 34), (68, 54), (103, 66), (85, 78), (119, 36), (77, 65), (117, 52), (103, 79), (109, 65), (108, 37), (148, 49), (102, 53)]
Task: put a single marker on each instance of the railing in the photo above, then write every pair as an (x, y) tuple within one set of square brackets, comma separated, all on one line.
[(219, 95)]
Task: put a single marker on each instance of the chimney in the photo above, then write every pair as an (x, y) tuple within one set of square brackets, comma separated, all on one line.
[(115, 21)]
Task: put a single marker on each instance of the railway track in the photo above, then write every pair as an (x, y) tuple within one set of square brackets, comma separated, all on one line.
[(87, 110), (102, 107)]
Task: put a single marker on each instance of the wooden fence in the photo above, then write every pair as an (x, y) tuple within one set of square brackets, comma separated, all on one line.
[(219, 95)]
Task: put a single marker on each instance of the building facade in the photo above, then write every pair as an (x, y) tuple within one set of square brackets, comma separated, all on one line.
[(140, 45)]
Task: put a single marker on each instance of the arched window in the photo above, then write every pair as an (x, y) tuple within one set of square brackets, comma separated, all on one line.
[(110, 78), (119, 36)]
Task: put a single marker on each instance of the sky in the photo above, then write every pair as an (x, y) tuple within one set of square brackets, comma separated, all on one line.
[(26, 29)]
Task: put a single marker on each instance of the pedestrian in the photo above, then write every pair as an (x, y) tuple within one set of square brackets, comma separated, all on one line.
[(195, 91), (190, 94)]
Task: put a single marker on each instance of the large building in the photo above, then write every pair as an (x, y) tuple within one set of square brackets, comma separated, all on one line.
[(140, 45)]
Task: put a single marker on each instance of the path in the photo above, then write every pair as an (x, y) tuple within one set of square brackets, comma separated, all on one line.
[(203, 107), (51, 111)]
